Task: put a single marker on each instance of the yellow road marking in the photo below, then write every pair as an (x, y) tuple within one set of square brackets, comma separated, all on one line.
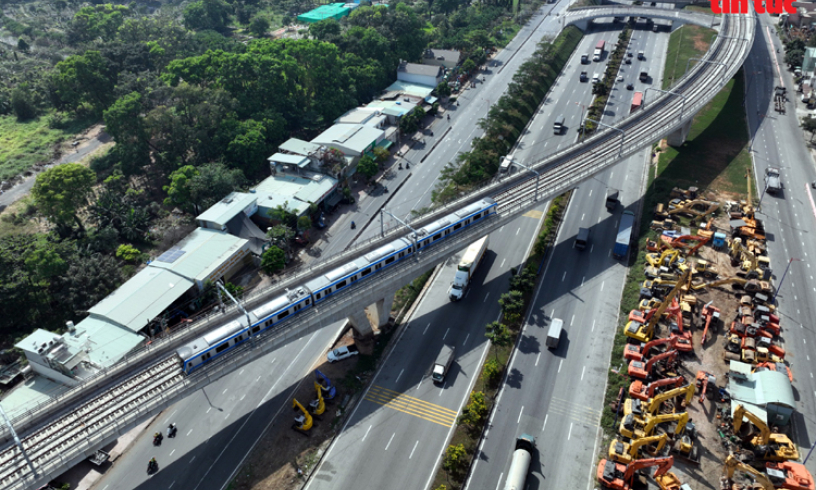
[(412, 406), (533, 213)]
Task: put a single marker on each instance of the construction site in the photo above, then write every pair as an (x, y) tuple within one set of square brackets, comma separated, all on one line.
[(710, 393)]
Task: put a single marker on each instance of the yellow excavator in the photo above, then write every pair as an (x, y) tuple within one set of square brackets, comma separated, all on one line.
[(767, 446), (666, 258), (318, 406), (749, 285), (628, 427), (303, 422), (643, 332), (687, 207), (732, 464), (641, 410), (624, 452)]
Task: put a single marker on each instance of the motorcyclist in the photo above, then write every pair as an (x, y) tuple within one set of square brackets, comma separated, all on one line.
[(400, 166), (408, 165), (152, 465), (448, 117), (171, 430), (157, 438), (353, 226)]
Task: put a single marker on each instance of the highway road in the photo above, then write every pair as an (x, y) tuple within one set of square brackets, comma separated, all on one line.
[(789, 217), (219, 425), (397, 432), (556, 395)]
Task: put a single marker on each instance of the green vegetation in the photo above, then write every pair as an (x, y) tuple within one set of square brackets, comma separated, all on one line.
[(714, 158), (685, 43), (26, 144), (508, 117), (603, 89)]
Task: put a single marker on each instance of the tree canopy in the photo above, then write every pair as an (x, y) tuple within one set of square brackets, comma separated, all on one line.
[(61, 191)]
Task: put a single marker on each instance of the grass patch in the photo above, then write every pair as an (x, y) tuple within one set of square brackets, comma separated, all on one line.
[(685, 43), (714, 158), (469, 436), (25, 144)]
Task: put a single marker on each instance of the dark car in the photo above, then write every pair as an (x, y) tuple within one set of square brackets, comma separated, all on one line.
[(628, 61), (629, 54), (630, 86)]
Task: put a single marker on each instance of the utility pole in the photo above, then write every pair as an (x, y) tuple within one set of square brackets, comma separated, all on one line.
[(782, 281), (239, 305), (538, 176), (20, 444)]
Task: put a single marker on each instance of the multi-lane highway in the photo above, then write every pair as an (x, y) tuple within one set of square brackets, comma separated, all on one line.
[(556, 395), (789, 216)]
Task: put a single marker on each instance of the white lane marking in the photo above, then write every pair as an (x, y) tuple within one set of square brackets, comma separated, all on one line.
[(366, 434), (443, 389), (208, 410), (591, 248), (573, 319), (564, 276), (191, 430), (466, 339), (498, 483), (593, 325), (502, 264), (446, 333), (412, 450), (609, 253), (537, 358), (559, 365), (258, 378), (570, 432), (545, 422), (582, 216), (426, 329), (242, 397), (171, 452), (191, 461), (520, 412), (240, 372), (582, 372), (804, 341), (486, 296), (590, 193), (389, 441), (225, 418), (517, 231), (582, 281), (611, 174), (174, 411), (398, 376), (225, 390), (602, 285)]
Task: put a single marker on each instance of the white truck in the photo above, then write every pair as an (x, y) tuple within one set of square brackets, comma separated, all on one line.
[(772, 181), (467, 267), (520, 463), (443, 363), (554, 333)]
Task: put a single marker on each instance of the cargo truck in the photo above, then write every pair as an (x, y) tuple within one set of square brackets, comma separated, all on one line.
[(599, 49), (443, 363), (554, 333), (582, 238), (637, 102), (612, 200), (467, 267), (621, 248), (520, 464)]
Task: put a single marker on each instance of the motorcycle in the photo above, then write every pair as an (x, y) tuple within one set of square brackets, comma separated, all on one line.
[(408, 166), (353, 226), (448, 117), (152, 467), (400, 166), (171, 431), (157, 439)]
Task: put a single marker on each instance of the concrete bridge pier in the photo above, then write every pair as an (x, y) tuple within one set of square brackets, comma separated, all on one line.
[(379, 311), (678, 137)]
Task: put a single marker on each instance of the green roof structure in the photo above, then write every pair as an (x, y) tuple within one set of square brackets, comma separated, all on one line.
[(330, 11)]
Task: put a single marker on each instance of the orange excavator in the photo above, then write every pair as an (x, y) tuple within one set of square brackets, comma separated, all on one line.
[(639, 391), (619, 476), (789, 475), (642, 370), (710, 313), (683, 242), (682, 338), (703, 378), (635, 352)]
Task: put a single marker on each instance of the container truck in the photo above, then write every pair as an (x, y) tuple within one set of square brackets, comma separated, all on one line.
[(637, 102), (520, 464), (467, 267), (599, 49), (443, 363), (621, 249)]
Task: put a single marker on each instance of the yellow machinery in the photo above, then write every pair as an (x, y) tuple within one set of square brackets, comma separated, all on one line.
[(667, 258), (650, 408), (303, 422), (687, 207), (644, 332), (628, 427), (751, 286), (624, 452), (778, 446), (669, 481), (318, 406), (732, 464)]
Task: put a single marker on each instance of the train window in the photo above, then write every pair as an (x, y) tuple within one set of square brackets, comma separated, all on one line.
[(367, 272), (389, 260), (457, 226), (437, 236), (221, 348), (283, 315), (410, 249), (477, 216), (378, 266), (354, 278), (256, 329), (239, 338), (308, 301), (317, 296), (340, 284), (206, 356), (298, 307), (447, 232)]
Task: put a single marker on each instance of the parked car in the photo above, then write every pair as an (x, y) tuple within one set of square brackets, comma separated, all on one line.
[(341, 353)]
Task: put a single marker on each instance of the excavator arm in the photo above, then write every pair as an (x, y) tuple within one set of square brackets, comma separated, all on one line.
[(732, 464), (663, 465), (680, 418), (666, 302), (765, 431), (659, 357), (645, 441), (654, 403), (304, 422)]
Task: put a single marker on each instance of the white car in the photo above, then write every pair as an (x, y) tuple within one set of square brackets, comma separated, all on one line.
[(341, 353)]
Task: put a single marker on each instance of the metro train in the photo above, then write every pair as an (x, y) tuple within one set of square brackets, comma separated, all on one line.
[(219, 341)]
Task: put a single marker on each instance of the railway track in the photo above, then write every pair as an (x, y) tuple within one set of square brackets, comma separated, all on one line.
[(47, 446)]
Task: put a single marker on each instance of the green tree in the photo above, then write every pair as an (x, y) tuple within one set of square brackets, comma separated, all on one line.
[(381, 154), (128, 253), (795, 57), (214, 182), (179, 192), (468, 66), (525, 281), (249, 150), (207, 14), (273, 260), (492, 371), (259, 26), (45, 262), (809, 125), (443, 89), (280, 235), (325, 30), (499, 335), (23, 45), (61, 191), (367, 167), (512, 305), (455, 458), (304, 223), (282, 214), (83, 79), (22, 104)]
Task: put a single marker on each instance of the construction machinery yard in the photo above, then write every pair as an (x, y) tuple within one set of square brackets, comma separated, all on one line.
[(709, 396)]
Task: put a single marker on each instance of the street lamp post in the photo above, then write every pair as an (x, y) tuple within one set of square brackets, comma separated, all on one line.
[(764, 190), (538, 175), (583, 130), (622, 132), (781, 281), (682, 104), (809, 452)]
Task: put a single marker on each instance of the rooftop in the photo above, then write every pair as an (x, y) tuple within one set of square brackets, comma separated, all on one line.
[(200, 253), (226, 209), (410, 89), (417, 69), (299, 147), (355, 137), (297, 160), (444, 54), (296, 191), (358, 115), (394, 108)]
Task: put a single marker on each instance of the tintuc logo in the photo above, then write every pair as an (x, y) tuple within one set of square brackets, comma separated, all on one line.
[(741, 6)]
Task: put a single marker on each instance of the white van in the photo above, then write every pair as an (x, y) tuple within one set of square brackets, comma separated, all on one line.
[(596, 78), (554, 333)]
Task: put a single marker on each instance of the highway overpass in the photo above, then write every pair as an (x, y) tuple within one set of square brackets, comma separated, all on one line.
[(63, 433)]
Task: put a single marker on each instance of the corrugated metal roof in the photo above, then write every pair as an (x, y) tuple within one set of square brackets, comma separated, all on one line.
[(315, 191), (224, 210), (774, 387), (205, 251), (298, 160), (109, 343), (142, 298), (354, 137), (270, 200), (409, 88), (301, 147)]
